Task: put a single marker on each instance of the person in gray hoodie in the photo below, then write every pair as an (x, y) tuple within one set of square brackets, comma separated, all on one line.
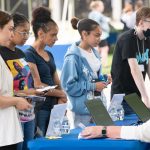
[(81, 68)]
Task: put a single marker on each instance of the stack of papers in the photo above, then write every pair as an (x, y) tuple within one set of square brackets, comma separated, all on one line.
[(46, 88)]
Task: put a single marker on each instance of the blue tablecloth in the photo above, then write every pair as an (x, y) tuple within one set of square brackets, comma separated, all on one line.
[(71, 142)]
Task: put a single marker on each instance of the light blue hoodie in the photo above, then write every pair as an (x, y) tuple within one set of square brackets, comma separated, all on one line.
[(76, 79)]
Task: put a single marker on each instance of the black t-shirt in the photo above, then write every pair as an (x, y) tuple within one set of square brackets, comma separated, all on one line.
[(127, 47), (46, 71), (22, 79), (18, 66)]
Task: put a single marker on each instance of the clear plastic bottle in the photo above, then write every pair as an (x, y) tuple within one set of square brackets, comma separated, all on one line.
[(117, 113), (65, 126), (90, 95), (120, 112), (113, 114), (57, 127)]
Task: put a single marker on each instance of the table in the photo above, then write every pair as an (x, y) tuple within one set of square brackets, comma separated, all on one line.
[(71, 142)]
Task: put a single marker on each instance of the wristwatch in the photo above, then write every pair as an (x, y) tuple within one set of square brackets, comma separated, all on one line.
[(104, 132)]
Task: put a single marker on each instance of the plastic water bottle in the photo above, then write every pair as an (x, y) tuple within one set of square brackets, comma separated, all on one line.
[(120, 112), (57, 127), (65, 126), (90, 95), (117, 113), (113, 114)]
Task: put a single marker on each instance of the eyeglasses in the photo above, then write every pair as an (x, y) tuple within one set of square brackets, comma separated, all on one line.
[(147, 21), (23, 33)]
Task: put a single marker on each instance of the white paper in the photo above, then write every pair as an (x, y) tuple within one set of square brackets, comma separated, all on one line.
[(46, 88), (116, 99), (57, 112), (80, 136)]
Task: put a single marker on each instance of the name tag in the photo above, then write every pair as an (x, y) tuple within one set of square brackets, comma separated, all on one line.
[(141, 68)]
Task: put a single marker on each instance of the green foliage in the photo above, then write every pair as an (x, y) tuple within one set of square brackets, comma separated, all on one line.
[(106, 70)]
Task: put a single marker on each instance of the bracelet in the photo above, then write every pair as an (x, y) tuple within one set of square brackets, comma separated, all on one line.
[(104, 132)]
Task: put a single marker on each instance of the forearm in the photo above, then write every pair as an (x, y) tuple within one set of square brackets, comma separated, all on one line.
[(56, 92), (96, 132), (113, 132), (148, 72), (138, 78), (39, 85), (30, 91), (139, 81), (7, 101), (140, 132), (78, 88)]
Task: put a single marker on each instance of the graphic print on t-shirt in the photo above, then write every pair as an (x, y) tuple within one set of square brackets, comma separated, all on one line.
[(21, 74), (22, 81), (144, 57), (22, 78)]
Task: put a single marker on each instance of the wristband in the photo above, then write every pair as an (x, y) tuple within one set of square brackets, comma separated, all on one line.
[(104, 132)]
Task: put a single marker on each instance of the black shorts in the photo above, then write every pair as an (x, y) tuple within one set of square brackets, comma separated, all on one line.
[(103, 43)]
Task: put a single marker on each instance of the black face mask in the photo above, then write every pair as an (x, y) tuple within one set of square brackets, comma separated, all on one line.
[(147, 33)]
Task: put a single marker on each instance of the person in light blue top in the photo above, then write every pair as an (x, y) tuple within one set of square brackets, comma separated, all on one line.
[(81, 68), (96, 14)]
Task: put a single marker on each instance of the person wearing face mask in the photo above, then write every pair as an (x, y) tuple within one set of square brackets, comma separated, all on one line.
[(131, 60)]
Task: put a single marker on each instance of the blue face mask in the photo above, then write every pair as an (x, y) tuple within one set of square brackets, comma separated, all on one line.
[(147, 33)]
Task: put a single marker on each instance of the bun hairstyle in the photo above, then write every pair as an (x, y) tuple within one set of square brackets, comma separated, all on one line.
[(19, 18), (42, 19), (4, 18), (74, 22), (41, 14), (83, 24)]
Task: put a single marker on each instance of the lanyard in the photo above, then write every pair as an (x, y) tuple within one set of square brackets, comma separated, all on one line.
[(139, 46)]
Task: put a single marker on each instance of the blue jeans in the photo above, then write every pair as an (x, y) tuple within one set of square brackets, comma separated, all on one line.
[(42, 120), (28, 132)]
